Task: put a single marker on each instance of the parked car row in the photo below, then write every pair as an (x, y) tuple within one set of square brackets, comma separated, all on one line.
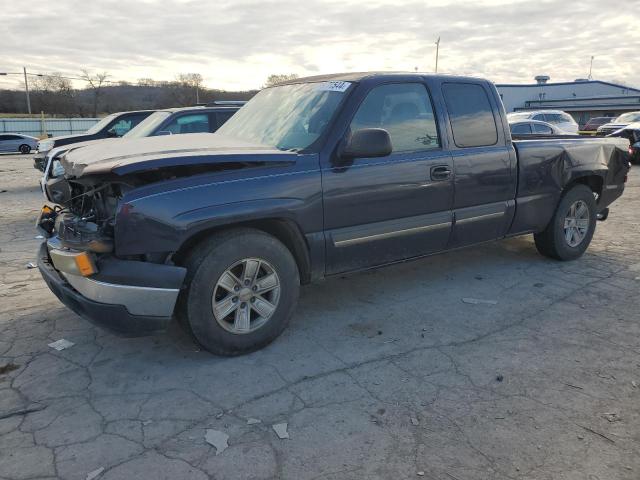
[(138, 124), (312, 178), (172, 121), (618, 123)]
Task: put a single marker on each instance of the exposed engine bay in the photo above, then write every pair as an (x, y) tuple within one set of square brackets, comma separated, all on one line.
[(85, 212)]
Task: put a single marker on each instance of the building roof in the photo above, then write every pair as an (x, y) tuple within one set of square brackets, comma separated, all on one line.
[(588, 82)]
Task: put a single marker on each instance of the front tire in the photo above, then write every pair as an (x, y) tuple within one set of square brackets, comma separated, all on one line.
[(571, 229), (24, 149), (242, 289)]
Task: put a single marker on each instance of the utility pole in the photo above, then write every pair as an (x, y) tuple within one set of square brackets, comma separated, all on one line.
[(26, 89), (437, 52), (591, 67)]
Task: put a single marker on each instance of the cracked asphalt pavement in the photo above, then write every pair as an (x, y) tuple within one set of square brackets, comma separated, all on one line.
[(381, 375)]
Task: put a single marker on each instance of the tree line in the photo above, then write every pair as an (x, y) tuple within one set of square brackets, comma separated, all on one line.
[(55, 95)]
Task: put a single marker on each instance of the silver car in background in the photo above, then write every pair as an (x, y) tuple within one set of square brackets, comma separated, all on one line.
[(560, 119), (533, 127), (17, 142)]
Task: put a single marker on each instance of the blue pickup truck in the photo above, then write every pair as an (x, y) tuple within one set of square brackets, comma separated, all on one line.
[(311, 178)]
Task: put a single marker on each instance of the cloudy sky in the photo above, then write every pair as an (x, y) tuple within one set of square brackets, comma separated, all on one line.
[(236, 44)]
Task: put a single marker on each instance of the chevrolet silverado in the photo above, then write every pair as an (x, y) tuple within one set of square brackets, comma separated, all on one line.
[(311, 178)]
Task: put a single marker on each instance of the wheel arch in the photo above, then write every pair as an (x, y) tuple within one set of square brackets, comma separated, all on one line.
[(283, 229), (592, 180)]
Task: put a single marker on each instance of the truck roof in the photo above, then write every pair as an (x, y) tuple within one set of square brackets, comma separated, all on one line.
[(358, 76)]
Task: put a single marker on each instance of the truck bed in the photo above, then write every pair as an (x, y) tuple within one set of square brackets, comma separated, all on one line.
[(546, 164)]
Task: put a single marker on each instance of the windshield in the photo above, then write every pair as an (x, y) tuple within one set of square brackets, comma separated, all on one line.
[(146, 127), (101, 124), (288, 117), (628, 117)]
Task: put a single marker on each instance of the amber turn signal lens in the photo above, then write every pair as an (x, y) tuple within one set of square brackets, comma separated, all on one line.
[(85, 264)]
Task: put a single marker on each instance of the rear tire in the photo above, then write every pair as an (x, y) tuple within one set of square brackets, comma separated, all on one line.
[(220, 278), (24, 149), (571, 229)]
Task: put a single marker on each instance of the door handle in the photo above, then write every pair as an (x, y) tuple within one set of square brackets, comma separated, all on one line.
[(440, 172)]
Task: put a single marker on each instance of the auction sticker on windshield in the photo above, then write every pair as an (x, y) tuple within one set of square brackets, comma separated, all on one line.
[(335, 86)]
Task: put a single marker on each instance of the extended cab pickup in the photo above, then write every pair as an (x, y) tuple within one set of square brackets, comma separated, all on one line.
[(311, 178)]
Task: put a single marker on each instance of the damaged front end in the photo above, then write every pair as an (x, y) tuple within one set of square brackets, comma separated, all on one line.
[(79, 265), (84, 217)]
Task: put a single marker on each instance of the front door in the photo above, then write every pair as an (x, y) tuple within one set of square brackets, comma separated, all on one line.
[(381, 210)]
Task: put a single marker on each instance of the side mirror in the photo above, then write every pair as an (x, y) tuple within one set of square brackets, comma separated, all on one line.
[(162, 133), (368, 142)]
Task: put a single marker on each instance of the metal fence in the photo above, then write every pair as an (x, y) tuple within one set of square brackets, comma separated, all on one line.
[(51, 127)]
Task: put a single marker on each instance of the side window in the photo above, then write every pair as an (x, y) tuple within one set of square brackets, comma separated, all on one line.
[(121, 127), (192, 123), (567, 118), (521, 129), (221, 118), (544, 129), (553, 118), (470, 114), (540, 117), (136, 119), (403, 110), (4, 137)]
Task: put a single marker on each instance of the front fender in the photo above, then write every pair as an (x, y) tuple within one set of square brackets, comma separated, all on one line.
[(162, 222)]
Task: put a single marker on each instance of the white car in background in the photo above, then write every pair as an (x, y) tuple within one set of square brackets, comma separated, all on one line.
[(560, 119)]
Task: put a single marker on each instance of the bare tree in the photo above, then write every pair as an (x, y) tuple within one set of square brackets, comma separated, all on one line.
[(95, 83), (279, 78), (192, 81), (53, 94)]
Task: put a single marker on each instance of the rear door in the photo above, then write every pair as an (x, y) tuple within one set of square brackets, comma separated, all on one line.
[(380, 210), (484, 164)]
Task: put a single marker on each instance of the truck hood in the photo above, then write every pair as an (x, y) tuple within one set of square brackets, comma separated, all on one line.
[(142, 154)]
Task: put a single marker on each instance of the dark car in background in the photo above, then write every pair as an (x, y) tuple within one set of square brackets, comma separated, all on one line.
[(632, 133), (595, 122), (620, 122), (111, 126)]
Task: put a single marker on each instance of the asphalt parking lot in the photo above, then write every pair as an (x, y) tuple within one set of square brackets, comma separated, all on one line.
[(382, 375)]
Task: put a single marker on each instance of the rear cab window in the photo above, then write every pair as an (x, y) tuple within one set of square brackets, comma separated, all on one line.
[(470, 115)]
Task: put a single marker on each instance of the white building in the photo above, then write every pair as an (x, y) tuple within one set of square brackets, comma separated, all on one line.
[(583, 99)]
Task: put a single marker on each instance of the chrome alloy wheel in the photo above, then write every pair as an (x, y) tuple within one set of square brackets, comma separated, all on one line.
[(246, 296), (576, 223)]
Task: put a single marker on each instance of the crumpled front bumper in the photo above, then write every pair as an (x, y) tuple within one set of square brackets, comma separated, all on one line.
[(126, 297)]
